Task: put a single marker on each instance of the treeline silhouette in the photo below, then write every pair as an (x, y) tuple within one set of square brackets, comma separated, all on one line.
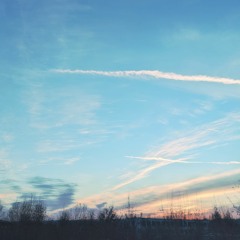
[(28, 220)]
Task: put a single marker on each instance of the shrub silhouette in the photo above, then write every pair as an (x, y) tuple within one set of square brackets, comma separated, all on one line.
[(107, 215), (216, 215)]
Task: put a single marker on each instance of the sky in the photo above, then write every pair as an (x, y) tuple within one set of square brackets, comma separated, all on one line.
[(105, 101)]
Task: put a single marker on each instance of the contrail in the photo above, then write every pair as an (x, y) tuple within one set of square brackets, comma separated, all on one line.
[(184, 161), (161, 159), (152, 74), (223, 163)]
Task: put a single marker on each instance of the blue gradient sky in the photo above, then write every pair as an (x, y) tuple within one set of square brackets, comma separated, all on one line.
[(80, 122)]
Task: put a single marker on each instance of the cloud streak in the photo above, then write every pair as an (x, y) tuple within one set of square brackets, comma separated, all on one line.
[(203, 201), (153, 74), (144, 172), (193, 191)]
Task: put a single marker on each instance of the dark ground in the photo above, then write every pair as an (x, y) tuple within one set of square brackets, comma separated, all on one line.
[(122, 229)]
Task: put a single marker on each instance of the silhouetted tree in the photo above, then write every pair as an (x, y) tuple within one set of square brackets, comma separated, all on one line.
[(39, 211), (29, 210), (79, 212), (14, 212), (1, 210), (64, 216)]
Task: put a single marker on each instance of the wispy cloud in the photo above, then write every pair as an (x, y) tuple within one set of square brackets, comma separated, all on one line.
[(9, 184), (63, 144), (54, 108), (57, 145), (59, 160), (150, 199), (181, 149), (5, 162), (144, 172), (202, 203), (195, 193), (153, 74)]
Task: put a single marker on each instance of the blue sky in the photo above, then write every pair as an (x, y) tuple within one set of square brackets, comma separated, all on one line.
[(101, 100)]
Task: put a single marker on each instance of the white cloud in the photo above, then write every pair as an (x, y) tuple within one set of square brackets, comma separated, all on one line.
[(62, 145), (153, 74)]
